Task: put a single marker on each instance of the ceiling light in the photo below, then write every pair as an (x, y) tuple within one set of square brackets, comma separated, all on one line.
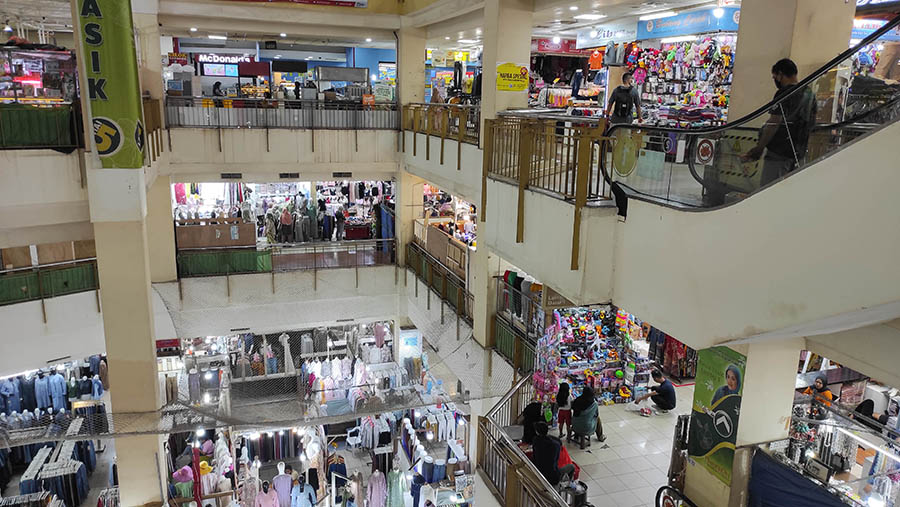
[(718, 12), (573, 8), (557, 40), (283, 34), (368, 39), (478, 31), (594, 34), (467, 41), (193, 28), (277, 57), (657, 15), (683, 38), (590, 17), (446, 38), (218, 37)]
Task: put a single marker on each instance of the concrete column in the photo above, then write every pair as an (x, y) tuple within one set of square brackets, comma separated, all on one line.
[(161, 231), (411, 65), (507, 38), (766, 402), (482, 268), (810, 32), (409, 205)]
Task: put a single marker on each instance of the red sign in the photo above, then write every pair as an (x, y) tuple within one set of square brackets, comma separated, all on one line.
[(564, 46)]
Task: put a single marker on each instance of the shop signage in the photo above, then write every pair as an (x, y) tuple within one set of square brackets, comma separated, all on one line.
[(716, 409), (565, 46), (179, 58), (601, 35), (107, 32), (337, 3), (439, 58), (874, 4), (690, 23), (213, 58), (863, 28), (512, 77)]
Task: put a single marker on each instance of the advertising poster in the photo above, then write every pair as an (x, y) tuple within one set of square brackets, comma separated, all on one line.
[(716, 409), (512, 77), (112, 81)]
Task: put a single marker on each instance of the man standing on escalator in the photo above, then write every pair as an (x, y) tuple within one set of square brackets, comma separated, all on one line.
[(785, 136)]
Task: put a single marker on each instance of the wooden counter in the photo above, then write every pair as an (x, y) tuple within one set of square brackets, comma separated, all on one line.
[(226, 232)]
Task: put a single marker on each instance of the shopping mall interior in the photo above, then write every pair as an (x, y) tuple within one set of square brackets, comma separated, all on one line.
[(420, 253)]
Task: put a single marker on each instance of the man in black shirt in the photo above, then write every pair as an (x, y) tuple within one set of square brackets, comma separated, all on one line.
[(623, 101), (546, 455), (785, 136), (662, 395)]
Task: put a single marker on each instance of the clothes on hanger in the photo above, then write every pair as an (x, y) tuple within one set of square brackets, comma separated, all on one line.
[(376, 495)]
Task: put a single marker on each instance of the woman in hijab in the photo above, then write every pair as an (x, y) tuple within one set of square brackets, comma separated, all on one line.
[(584, 417), (864, 414), (820, 393), (732, 384)]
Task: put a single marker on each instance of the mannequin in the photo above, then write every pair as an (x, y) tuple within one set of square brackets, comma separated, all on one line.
[(42, 390), (85, 388), (289, 367), (282, 484), (302, 494), (251, 486), (194, 385), (96, 388), (73, 388), (397, 486), (268, 497)]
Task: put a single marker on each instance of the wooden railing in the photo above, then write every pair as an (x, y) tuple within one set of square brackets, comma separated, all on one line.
[(509, 474), (461, 123), (559, 155), (153, 126)]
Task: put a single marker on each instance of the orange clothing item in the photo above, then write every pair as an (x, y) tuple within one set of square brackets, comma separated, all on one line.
[(824, 397), (596, 60)]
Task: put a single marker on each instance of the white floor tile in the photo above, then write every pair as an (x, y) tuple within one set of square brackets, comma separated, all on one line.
[(597, 471), (599, 500), (626, 451), (625, 499), (641, 463), (611, 485), (606, 455), (647, 494), (633, 480), (655, 477), (620, 466)]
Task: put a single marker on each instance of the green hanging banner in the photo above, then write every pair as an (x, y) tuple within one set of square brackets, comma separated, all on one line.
[(110, 65)]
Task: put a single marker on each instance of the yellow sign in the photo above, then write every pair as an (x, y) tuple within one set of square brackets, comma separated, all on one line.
[(512, 77)]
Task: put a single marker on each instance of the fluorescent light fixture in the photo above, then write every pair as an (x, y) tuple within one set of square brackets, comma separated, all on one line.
[(478, 31), (657, 15), (368, 39), (718, 12), (193, 28), (870, 445), (467, 41), (283, 34), (557, 40), (201, 432), (683, 38), (573, 8), (446, 38), (277, 57), (218, 37), (590, 17)]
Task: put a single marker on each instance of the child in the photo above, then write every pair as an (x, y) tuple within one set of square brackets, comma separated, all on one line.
[(564, 405)]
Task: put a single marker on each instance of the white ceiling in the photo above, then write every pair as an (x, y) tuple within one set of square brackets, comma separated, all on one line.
[(56, 15)]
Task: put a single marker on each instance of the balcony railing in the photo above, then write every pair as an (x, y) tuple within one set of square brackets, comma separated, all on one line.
[(153, 126), (510, 474), (442, 279), (461, 123), (285, 257), (35, 283), (49, 126), (553, 154), (220, 112)]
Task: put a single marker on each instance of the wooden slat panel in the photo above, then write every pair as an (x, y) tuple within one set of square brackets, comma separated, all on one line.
[(85, 249), (17, 257), (55, 252)]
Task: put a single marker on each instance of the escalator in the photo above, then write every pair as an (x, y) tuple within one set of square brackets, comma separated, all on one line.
[(710, 253), (706, 168)]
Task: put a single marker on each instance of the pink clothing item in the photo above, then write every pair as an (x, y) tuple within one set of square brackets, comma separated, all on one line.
[(183, 474), (379, 335), (377, 490), (269, 499), (282, 485), (207, 448)]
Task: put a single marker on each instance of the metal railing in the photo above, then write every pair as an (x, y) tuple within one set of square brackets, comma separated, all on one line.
[(509, 473), (153, 126), (554, 154), (220, 112), (461, 123), (50, 126), (450, 287), (34, 283), (285, 257)]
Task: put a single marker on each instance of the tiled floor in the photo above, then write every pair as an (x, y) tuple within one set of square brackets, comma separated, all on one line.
[(628, 469)]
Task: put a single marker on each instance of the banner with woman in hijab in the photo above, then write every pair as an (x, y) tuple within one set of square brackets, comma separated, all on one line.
[(716, 409)]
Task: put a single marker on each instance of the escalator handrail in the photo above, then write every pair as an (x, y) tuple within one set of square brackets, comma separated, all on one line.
[(768, 106)]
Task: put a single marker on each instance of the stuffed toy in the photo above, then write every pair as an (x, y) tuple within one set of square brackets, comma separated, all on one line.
[(679, 54)]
